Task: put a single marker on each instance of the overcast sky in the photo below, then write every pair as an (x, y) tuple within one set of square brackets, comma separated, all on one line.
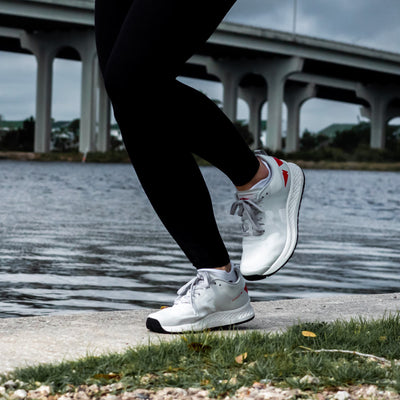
[(371, 23)]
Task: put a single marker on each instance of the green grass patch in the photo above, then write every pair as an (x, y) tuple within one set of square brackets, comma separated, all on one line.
[(222, 363)]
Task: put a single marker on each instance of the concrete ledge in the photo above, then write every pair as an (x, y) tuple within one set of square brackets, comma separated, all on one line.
[(29, 341)]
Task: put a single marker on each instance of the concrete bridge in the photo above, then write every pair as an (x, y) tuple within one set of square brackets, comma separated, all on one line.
[(255, 64)]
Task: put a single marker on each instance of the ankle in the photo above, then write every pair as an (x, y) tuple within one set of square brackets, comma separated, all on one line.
[(262, 173), (226, 267)]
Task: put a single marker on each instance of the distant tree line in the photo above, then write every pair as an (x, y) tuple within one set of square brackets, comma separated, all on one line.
[(64, 136), (18, 139), (351, 144)]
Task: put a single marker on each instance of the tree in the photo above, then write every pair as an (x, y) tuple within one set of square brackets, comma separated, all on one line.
[(27, 135), (349, 139), (20, 139), (74, 127), (308, 141)]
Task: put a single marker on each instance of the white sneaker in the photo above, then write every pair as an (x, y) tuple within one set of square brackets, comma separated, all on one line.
[(270, 219), (205, 302)]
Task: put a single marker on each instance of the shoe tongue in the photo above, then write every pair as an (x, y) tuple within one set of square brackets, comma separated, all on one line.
[(200, 283), (222, 274), (247, 194), (184, 296)]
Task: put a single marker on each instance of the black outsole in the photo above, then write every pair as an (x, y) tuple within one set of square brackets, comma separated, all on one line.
[(254, 277), (154, 326), (260, 277)]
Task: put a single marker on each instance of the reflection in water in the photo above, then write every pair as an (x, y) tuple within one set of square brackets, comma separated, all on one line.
[(79, 237)]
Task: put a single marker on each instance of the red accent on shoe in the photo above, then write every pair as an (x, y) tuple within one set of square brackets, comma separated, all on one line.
[(279, 162), (285, 176), (245, 288)]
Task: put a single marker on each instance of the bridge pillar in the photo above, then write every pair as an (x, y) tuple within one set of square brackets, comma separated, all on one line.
[(276, 71), (255, 97), (229, 73), (45, 45), (44, 48), (104, 115), (87, 50), (294, 99), (391, 112), (378, 97)]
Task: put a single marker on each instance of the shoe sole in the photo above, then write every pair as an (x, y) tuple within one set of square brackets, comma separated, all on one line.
[(293, 209), (218, 320)]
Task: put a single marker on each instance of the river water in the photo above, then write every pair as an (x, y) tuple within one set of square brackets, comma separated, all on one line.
[(83, 237)]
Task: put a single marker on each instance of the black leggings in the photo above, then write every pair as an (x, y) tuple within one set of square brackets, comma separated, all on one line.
[(142, 46)]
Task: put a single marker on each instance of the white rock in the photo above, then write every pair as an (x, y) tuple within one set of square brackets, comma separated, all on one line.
[(2, 390), (341, 395), (312, 380), (45, 390), (19, 394), (110, 397), (93, 388), (42, 391), (371, 391)]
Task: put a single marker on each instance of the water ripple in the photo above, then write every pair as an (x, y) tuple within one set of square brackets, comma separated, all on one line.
[(83, 237)]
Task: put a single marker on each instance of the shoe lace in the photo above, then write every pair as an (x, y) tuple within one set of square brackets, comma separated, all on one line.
[(249, 211), (187, 293)]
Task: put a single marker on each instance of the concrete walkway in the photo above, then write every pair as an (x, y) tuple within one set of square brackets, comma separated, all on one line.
[(28, 341)]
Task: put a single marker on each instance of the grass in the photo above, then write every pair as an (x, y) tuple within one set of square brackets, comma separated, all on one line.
[(223, 363)]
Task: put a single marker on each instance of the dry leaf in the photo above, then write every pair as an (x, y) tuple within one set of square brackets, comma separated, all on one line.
[(107, 377), (240, 358), (308, 334), (163, 307)]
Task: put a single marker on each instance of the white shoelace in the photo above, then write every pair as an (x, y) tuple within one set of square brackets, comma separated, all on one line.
[(250, 212), (187, 293)]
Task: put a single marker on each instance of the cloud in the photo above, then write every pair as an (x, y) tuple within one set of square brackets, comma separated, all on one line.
[(363, 22), (317, 114), (273, 14), (66, 89), (18, 87), (357, 21)]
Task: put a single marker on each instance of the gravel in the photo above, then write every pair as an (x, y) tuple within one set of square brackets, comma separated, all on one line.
[(258, 391)]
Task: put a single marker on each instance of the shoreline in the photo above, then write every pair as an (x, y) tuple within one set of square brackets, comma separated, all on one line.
[(122, 157)]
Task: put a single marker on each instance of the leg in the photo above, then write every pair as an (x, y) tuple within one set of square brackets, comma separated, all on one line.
[(109, 17), (145, 49)]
